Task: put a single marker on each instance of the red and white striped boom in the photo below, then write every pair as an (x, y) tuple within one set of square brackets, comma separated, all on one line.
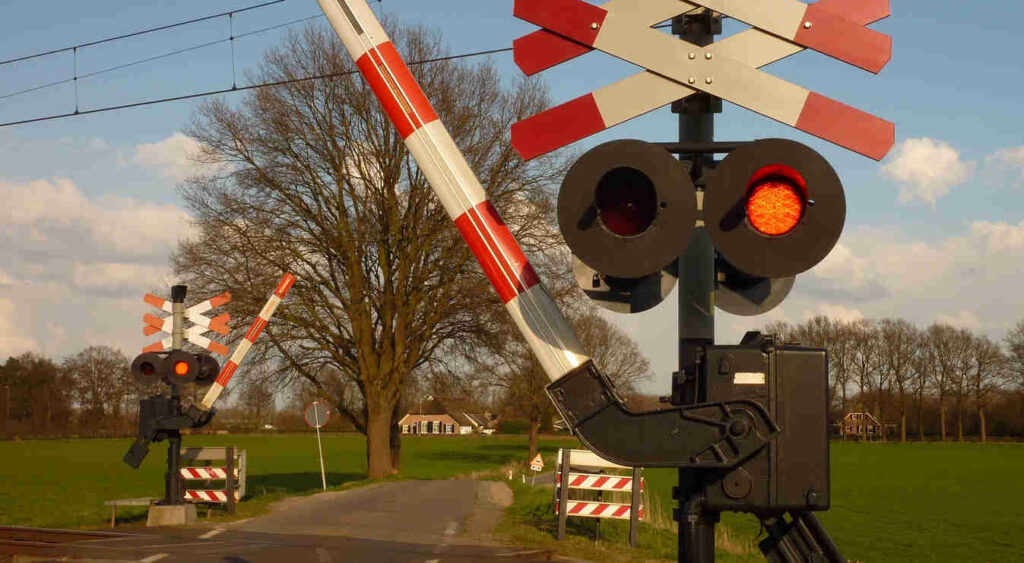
[(250, 337), (532, 309)]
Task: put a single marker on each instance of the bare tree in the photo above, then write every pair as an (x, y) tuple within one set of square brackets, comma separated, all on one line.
[(899, 341), (864, 361), (988, 371), (1015, 354), (102, 384), (310, 177), (945, 349)]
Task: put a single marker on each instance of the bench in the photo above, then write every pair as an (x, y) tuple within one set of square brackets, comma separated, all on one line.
[(144, 501)]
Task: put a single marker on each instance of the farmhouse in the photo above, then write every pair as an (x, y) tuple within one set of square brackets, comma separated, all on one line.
[(446, 415), (859, 424)]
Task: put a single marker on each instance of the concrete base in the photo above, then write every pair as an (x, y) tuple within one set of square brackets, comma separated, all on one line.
[(171, 515)]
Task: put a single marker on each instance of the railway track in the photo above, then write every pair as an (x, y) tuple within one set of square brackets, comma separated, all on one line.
[(44, 542)]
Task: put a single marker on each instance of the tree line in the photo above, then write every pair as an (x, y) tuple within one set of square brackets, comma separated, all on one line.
[(939, 381), (90, 393)]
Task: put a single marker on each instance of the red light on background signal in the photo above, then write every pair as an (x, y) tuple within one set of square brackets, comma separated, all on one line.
[(181, 368), (774, 207)]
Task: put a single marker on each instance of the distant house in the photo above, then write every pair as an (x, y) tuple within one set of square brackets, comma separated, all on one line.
[(859, 424), (446, 415)]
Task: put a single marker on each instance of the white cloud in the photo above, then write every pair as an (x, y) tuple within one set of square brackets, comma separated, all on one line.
[(44, 219), (835, 312), (1009, 158), (926, 169), (962, 319), (999, 236), (117, 278), (172, 158), (14, 339), (76, 266)]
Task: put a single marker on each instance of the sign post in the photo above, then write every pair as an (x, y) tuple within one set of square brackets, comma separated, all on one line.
[(317, 414)]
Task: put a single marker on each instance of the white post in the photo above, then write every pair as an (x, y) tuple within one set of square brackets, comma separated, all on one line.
[(319, 446)]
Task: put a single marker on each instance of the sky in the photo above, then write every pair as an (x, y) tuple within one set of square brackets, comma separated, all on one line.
[(89, 210)]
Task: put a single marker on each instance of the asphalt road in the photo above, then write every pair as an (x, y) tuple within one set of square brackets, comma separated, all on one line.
[(403, 521)]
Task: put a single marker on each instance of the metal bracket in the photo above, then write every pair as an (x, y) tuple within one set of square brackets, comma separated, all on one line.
[(705, 436)]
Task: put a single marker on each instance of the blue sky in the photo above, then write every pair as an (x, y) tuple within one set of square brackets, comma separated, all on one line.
[(934, 232)]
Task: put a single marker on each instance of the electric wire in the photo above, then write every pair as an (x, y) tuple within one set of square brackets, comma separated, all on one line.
[(137, 33), (157, 57), (235, 89)]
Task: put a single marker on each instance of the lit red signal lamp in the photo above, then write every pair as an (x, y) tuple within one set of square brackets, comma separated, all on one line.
[(776, 200), (774, 208)]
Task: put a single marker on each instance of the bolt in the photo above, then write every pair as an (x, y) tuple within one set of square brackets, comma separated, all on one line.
[(709, 80), (691, 80), (707, 56), (692, 55), (807, 25), (595, 26)]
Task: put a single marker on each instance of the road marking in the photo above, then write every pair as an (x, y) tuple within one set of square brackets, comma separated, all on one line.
[(237, 522), (152, 558), (433, 561), (211, 533), (324, 556)]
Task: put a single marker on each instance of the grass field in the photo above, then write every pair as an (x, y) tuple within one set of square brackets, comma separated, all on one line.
[(913, 502), (63, 483), (891, 502)]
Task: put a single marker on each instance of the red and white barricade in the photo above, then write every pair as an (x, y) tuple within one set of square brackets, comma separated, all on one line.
[(588, 476), (227, 464)]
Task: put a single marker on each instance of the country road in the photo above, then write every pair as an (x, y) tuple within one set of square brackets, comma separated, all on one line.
[(402, 521)]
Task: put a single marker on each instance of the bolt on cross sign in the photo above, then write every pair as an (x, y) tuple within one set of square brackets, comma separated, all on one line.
[(727, 69)]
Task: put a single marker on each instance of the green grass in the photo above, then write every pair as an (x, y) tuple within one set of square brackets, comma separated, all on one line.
[(63, 483), (912, 502), (890, 502)]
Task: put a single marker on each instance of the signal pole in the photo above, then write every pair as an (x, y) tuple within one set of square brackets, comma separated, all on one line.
[(696, 279), (174, 492)]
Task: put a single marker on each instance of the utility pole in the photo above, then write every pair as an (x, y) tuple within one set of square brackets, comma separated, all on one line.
[(696, 270)]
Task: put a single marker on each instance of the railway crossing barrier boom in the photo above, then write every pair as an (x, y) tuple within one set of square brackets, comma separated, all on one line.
[(589, 476)]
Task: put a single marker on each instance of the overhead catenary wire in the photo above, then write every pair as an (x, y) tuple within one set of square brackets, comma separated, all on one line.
[(157, 57), (234, 89), (137, 33)]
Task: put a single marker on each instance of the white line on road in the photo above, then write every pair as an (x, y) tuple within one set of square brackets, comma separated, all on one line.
[(152, 558), (211, 533), (324, 556)]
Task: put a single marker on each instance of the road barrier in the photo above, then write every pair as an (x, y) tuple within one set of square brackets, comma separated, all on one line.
[(589, 476), (232, 473)]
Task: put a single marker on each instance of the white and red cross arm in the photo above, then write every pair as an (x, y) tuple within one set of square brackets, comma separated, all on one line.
[(677, 69), (531, 307), (246, 343)]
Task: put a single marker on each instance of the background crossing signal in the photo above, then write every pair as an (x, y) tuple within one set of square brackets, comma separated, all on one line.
[(175, 368)]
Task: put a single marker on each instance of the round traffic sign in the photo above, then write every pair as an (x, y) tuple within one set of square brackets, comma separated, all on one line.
[(317, 414)]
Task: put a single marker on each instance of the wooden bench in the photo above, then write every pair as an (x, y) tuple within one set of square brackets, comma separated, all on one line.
[(144, 501)]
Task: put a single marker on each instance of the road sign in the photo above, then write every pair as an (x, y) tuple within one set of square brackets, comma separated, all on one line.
[(537, 463), (200, 323), (726, 69), (317, 414)]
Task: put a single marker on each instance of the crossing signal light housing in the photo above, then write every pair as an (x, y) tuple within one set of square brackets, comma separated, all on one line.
[(774, 208), (176, 368), (627, 210), (208, 370)]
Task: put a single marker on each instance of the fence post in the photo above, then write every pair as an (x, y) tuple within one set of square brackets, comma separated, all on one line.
[(229, 481), (563, 492), (634, 508)]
